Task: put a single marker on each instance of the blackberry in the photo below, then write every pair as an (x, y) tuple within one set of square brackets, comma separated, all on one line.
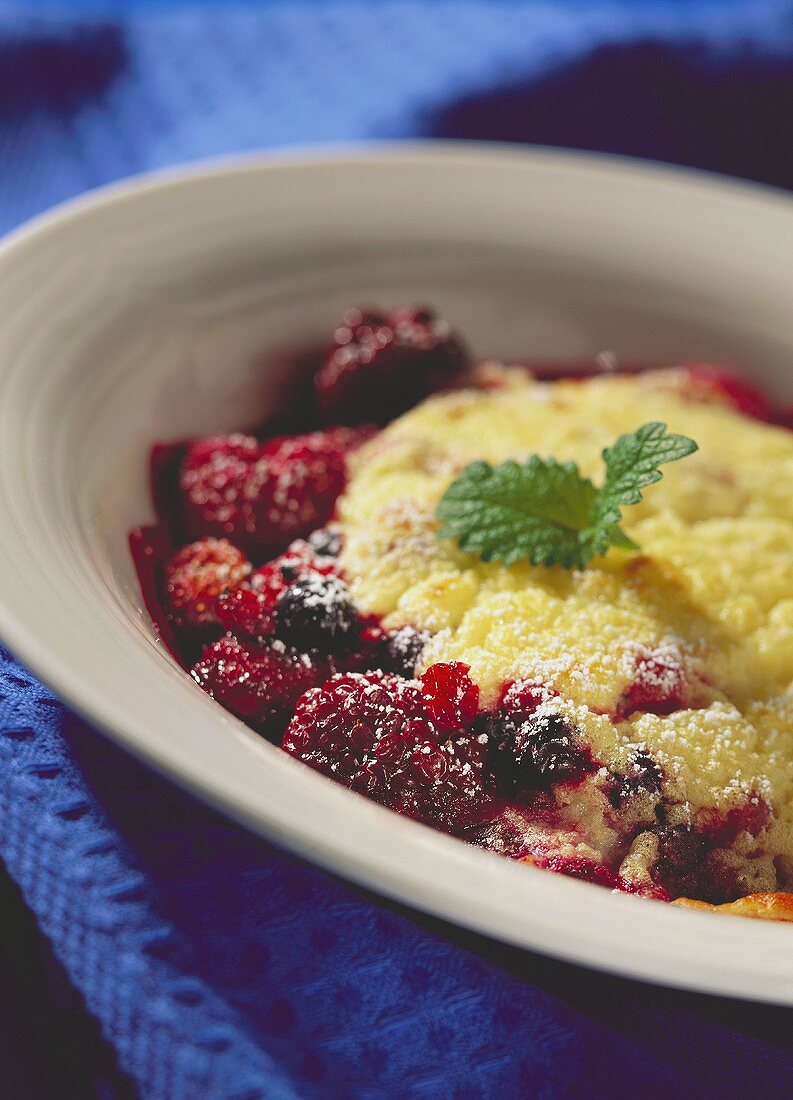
[(290, 571), (643, 774), (682, 851), (534, 752), (325, 542), (316, 612), (404, 648)]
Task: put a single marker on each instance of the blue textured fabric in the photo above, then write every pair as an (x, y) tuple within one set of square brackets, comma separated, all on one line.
[(216, 965)]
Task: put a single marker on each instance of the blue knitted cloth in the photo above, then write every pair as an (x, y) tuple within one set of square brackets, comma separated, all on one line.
[(215, 964)]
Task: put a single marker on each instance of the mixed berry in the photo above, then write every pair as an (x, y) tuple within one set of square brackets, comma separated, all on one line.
[(381, 364), (199, 574), (243, 580), (377, 733), (259, 684), (262, 495)]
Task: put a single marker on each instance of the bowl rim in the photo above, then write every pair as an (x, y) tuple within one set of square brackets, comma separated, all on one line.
[(319, 154), (577, 922)]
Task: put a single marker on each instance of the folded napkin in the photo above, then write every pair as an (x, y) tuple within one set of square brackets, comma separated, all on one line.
[(215, 964)]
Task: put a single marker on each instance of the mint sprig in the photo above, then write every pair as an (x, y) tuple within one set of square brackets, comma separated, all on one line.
[(545, 511)]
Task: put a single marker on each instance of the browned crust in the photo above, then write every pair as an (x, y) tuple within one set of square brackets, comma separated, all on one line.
[(758, 906)]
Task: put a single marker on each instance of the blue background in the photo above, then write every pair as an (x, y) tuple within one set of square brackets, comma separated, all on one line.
[(211, 964)]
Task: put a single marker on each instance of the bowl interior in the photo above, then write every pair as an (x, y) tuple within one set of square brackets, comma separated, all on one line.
[(163, 310)]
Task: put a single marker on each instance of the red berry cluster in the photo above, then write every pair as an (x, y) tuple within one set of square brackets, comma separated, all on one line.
[(291, 624), (256, 671), (250, 611), (378, 734), (198, 575), (262, 495), (259, 685)]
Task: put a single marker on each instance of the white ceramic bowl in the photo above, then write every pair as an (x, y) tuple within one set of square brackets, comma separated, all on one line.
[(145, 311)]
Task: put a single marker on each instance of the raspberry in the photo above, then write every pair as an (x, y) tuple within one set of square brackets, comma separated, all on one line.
[(404, 648), (315, 612), (213, 477), (450, 695), (659, 685), (372, 732), (294, 489), (258, 685), (220, 449), (713, 381), (379, 366), (263, 495), (198, 574), (246, 612), (523, 697)]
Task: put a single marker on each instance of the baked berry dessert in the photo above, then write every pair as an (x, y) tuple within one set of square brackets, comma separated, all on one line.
[(547, 611)]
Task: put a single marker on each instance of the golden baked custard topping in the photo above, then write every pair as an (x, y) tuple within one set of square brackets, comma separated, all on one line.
[(705, 612)]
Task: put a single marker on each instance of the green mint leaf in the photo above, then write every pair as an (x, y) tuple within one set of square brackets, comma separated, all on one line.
[(544, 511), (632, 464), (538, 510), (618, 538)]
